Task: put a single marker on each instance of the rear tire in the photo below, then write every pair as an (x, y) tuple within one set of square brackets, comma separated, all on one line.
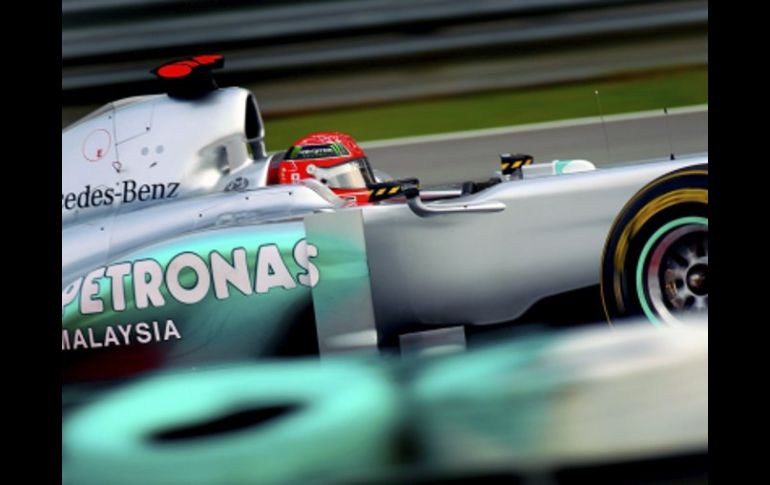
[(655, 261)]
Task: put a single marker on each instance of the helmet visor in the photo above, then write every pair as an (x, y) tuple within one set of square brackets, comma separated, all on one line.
[(354, 174)]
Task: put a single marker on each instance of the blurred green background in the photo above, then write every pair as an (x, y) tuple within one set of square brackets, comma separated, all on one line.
[(619, 94)]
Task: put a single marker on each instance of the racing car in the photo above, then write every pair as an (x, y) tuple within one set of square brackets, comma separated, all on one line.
[(184, 242)]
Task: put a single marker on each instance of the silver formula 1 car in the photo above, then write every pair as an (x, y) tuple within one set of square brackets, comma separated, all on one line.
[(184, 242)]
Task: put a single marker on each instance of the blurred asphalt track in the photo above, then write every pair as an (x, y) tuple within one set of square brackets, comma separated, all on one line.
[(474, 155)]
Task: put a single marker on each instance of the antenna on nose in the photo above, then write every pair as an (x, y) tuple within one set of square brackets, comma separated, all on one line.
[(604, 126), (668, 134)]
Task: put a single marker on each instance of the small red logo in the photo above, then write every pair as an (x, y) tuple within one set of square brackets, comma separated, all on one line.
[(97, 145)]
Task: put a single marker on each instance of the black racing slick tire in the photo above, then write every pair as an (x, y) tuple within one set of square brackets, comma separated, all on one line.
[(655, 260)]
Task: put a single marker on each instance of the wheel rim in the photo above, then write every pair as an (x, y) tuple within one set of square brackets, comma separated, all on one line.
[(672, 283)]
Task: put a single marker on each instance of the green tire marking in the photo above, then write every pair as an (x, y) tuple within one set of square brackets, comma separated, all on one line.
[(561, 165), (643, 257)]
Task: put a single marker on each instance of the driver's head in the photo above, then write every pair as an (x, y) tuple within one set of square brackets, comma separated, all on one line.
[(332, 158)]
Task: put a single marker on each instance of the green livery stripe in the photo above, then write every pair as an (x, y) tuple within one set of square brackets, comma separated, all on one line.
[(560, 166)]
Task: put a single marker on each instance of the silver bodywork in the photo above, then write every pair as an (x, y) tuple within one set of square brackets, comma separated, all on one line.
[(94, 243), (476, 259), (158, 141), (481, 268), (475, 268)]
